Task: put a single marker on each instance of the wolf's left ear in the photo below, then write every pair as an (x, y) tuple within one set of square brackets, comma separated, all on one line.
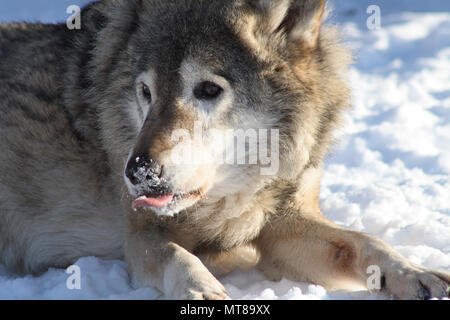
[(299, 20)]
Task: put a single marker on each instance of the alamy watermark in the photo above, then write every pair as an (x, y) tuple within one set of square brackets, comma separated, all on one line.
[(73, 282), (73, 22), (230, 146), (374, 280), (374, 20)]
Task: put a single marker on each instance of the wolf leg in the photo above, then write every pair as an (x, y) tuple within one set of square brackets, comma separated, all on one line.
[(316, 250), (155, 260)]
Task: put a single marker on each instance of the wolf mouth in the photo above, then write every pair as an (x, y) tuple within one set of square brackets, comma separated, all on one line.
[(164, 200)]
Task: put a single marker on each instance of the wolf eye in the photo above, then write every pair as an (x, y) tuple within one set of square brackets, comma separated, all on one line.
[(146, 93), (207, 91)]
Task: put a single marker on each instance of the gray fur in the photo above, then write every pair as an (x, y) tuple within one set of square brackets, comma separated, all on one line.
[(67, 132)]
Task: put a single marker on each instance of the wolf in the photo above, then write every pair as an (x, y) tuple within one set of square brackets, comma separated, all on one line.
[(87, 138)]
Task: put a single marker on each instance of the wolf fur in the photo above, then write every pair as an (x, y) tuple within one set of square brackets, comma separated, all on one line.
[(74, 118)]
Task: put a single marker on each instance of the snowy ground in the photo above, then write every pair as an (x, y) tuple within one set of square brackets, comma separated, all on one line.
[(390, 176)]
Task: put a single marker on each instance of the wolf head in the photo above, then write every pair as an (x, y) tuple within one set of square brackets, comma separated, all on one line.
[(208, 98)]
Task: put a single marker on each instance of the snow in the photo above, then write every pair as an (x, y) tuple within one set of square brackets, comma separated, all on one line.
[(389, 176)]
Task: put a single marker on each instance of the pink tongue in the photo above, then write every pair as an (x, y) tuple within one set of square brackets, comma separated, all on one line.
[(157, 202)]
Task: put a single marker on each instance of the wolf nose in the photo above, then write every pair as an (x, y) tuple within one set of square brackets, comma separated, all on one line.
[(141, 169)]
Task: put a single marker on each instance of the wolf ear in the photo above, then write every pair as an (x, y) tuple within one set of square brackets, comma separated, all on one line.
[(299, 20)]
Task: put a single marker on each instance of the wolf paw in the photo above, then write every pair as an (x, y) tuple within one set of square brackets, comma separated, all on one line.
[(207, 295), (207, 289), (417, 284), (194, 282)]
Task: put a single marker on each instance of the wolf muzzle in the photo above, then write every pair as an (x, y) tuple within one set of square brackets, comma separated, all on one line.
[(146, 174)]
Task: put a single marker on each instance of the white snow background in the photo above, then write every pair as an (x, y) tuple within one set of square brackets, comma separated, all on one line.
[(389, 176)]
